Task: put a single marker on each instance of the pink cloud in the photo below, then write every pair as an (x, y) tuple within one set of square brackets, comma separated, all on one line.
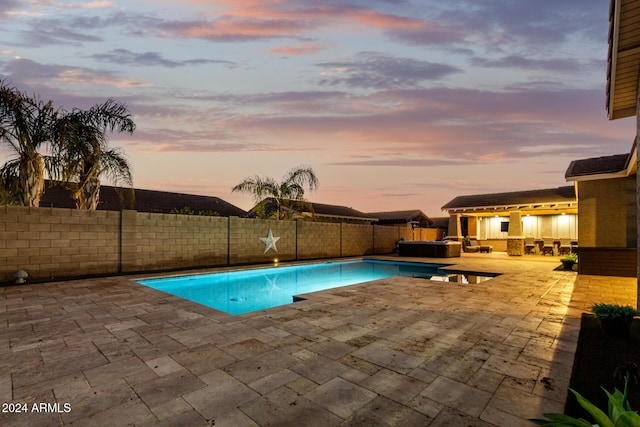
[(300, 50), (383, 20), (247, 20), (233, 29)]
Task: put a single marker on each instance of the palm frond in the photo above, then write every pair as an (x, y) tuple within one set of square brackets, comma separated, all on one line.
[(302, 175), (111, 115), (9, 178), (116, 167)]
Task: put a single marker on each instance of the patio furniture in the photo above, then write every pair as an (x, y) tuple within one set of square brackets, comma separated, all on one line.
[(548, 246), (565, 247), (530, 245), (472, 246), (475, 247)]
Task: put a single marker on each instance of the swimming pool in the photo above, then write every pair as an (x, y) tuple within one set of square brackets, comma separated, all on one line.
[(238, 292)]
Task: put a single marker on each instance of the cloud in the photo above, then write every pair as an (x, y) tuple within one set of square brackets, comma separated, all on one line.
[(300, 50), (55, 36), (401, 162), (7, 7), (31, 72), (150, 59), (504, 26), (376, 70), (232, 29), (98, 4), (426, 125), (90, 5), (524, 63)]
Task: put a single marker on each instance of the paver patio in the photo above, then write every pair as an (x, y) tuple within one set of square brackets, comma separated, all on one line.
[(398, 351)]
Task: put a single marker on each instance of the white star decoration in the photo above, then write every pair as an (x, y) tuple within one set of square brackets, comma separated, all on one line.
[(270, 242)]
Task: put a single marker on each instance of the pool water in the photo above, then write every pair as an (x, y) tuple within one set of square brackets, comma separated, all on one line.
[(239, 292)]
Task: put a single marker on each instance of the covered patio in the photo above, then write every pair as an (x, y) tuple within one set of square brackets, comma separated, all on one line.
[(506, 220)]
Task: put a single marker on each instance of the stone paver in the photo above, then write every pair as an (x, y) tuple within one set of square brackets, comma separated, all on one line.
[(398, 351)]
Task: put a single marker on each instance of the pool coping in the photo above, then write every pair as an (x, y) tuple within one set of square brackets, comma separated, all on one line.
[(296, 298)]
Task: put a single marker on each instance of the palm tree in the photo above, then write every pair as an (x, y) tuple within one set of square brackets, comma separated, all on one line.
[(291, 188), (26, 125), (83, 154)]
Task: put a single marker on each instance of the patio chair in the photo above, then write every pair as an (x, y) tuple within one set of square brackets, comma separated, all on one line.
[(565, 247), (530, 245), (548, 245), (475, 247), (472, 246)]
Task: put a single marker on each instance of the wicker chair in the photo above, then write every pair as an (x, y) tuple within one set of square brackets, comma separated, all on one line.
[(565, 247), (548, 246), (530, 245)]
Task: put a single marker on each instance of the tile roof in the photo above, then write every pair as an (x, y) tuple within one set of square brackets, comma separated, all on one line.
[(395, 217), (115, 199), (440, 222), (339, 211), (321, 209), (598, 165), (564, 194)]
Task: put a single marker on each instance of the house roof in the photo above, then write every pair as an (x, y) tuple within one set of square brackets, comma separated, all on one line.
[(614, 166), (324, 210), (336, 211), (552, 198), (115, 199), (623, 58), (597, 165), (395, 217), (440, 222)]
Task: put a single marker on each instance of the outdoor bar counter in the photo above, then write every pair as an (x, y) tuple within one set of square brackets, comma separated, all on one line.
[(432, 249)]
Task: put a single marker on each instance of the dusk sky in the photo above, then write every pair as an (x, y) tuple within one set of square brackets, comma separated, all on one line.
[(395, 104)]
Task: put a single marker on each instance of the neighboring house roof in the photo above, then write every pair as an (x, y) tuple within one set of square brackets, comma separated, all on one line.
[(115, 199), (615, 166), (335, 211), (551, 198), (402, 217), (440, 222), (324, 211), (623, 58)]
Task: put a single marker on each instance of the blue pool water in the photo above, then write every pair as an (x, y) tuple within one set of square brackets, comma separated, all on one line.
[(239, 292)]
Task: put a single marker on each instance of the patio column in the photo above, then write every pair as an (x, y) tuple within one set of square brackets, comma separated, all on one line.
[(515, 239), (454, 232)]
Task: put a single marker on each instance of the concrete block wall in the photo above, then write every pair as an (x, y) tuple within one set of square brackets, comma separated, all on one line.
[(620, 262), (357, 239), (385, 239), (50, 243), (318, 240), (407, 234), (245, 244), (166, 241)]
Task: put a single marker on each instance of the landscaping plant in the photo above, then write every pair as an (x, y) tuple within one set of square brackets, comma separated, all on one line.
[(619, 413), (613, 311)]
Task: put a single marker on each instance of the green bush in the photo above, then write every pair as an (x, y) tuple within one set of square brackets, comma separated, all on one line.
[(611, 311), (619, 413)]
